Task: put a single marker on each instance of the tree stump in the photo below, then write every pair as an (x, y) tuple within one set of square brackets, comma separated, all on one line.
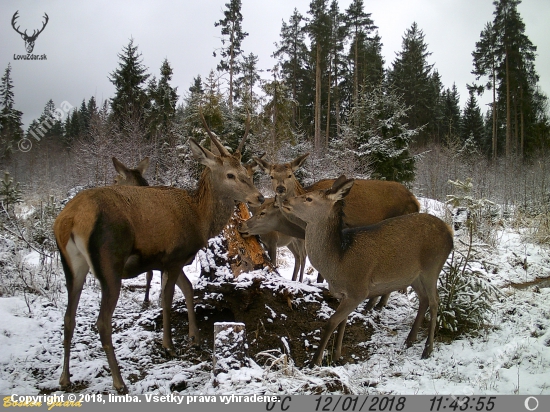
[(245, 254), (229, 346)]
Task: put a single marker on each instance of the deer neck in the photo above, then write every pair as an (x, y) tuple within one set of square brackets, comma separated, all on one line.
[(324, 241), (213, 207)]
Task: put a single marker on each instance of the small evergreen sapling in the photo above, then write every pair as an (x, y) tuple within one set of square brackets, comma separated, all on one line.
[(465, 293)]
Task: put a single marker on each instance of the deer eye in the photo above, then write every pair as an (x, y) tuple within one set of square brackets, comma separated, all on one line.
[(230, 176), (309, 199), (271, 177), (262, 213), (289, 176)]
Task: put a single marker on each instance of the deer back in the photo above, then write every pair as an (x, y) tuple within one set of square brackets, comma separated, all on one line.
[(371, 201)]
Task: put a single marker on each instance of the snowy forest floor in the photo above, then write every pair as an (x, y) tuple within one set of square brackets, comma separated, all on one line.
[(510, 355)]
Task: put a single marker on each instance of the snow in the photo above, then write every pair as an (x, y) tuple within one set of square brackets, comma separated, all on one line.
[(511, 356)]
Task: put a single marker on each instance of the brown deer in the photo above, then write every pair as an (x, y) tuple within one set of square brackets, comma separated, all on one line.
[(363, 262), (369, 202), (122, 231), (276, 231), (134, 177)]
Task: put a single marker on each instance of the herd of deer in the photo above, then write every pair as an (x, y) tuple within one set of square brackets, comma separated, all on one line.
[(368, 245)]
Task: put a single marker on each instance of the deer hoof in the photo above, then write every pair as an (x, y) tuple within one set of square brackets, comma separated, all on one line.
[(123, 390), (426, 354), (170, 352)]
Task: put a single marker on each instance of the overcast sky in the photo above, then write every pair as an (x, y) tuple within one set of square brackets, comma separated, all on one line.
[(83, 38)]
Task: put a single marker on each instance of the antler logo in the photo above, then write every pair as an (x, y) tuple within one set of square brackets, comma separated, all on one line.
[(29, 40)]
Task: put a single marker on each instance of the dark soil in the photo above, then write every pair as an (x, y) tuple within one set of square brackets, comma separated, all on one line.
[(295, 321)]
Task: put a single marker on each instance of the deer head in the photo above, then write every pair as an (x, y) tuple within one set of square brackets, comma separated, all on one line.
[(29, 40), (282, 176), (131, 177)]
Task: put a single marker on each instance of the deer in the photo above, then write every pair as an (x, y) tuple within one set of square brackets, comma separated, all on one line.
[(29, 40), (363, 262), (134, 177), (121, 231), (370, 201), (277, 231)]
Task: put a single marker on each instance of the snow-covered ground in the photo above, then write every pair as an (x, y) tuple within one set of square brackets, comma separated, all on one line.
[(509, 357)]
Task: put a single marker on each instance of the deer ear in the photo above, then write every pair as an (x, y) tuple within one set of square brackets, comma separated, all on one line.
[(120, 168), (296, 163), (340, 188), (204, 156), (143, 165), (262, 164)]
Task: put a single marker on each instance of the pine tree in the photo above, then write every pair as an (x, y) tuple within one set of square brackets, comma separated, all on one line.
[(10, 118), (411, 75), (360, 25), (231, 29), (513, 57), (318, 29), (129, 79), (486, 61), (335, 69)]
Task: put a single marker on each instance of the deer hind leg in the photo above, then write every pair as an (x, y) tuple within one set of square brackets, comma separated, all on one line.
[(187, 288), (347, 305), (76, 268), (383, 301), (340, 339), (149, 278), (433, 299), (297, 261), (422, 306), (108, 274)]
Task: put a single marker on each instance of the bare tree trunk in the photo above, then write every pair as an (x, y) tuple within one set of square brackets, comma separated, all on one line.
[(317, 141), (508, 109), (328, 106), (494, 118)]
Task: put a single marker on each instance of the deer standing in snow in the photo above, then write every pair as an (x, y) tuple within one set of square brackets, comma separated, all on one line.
[(363, 262)]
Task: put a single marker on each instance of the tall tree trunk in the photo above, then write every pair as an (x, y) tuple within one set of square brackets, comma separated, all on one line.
[(494, 116), (508, 108), (522, 124), (356, 73), (318, 99), (328, 105)]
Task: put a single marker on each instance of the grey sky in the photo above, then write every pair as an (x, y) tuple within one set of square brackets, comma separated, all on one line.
[(83, 38)]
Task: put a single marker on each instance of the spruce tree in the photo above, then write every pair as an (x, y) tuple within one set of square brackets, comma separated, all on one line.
[(450, 101), (10, 118), (472, 126), (292, 53), (411, 75), (379, 137), (163, 99), (129, 79)]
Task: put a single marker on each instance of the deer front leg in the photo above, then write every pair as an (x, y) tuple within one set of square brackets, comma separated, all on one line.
[(346, 306), (169, 280), (187, 288)]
